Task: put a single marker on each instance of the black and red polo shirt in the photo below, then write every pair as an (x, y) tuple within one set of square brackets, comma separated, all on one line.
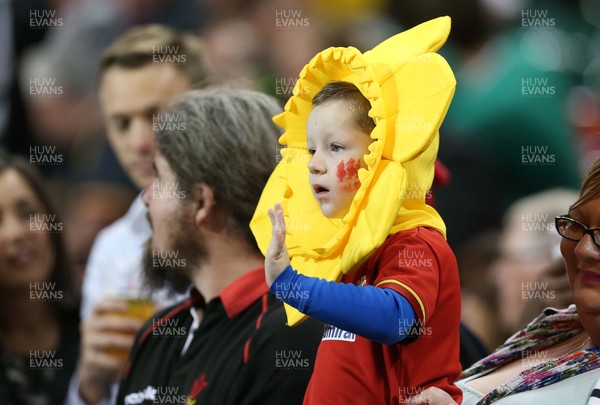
[(241, 352)]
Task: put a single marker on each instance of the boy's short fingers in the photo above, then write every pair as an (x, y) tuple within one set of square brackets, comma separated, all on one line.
[(271, 216), (275, 225), (275, 220), (274, 214), (280, 219)]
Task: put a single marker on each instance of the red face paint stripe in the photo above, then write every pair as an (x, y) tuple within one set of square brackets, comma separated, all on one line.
[(341, 172), (352, 168), (347, 170)]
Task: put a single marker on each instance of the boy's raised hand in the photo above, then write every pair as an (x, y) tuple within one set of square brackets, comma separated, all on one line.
[(276, 259)]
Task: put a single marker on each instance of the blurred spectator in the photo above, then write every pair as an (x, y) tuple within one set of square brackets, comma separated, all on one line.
[(17, 35), (39, 323), (233, 48), (262, 44), (529, 273), (92, 207), (512, 97), (98, 193), (138, 72), (469, 204), (57, 44), (477, 320), (479, 308), (516, 63)]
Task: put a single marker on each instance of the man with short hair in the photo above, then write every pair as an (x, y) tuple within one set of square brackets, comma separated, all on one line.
[(228, 343), (138, 72)]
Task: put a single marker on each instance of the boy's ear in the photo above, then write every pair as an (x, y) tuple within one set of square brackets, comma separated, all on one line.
[(204, 203)]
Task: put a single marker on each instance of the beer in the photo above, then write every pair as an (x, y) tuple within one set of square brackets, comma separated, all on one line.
[(138, 308)]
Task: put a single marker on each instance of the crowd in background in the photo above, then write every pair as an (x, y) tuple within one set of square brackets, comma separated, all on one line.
[(522, 130)]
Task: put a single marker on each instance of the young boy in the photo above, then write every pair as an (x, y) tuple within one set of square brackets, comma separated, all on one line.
[(392, 302)]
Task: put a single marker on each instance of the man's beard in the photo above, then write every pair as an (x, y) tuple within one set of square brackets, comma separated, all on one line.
[(174, 266)]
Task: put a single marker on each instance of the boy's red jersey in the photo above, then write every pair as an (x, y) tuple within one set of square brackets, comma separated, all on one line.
[(349, 369)]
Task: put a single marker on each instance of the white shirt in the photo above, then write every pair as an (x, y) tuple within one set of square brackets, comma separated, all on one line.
[(115, 263)]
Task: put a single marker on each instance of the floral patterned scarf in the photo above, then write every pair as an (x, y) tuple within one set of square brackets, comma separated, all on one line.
[(548, 329)]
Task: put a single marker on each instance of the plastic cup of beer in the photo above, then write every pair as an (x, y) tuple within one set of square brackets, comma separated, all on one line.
[(138, 307)]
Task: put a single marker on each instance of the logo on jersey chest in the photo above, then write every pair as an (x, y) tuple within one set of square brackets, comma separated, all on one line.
[(199, 384), (335, 333), (362, 281)]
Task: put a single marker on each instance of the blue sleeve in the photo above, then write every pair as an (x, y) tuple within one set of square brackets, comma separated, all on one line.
[(379, 314)]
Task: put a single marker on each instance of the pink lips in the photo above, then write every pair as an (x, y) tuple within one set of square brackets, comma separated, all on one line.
[(22, 258), (589, 277), (319, 190)]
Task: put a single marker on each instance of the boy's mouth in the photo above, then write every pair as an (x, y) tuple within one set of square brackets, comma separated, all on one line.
[(318, 189)]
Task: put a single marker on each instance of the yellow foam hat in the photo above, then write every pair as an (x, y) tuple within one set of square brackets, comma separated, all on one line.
[(410, 88)]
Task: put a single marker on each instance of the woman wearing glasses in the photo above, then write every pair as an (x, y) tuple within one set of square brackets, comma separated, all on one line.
[(555, 359)]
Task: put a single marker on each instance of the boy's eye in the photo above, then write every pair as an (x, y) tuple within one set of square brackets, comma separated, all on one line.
[(335, 147), (311, 151)]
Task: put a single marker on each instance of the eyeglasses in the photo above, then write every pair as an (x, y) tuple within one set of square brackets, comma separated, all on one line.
[(574, 230)]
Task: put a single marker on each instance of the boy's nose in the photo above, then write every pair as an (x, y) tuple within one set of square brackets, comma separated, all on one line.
[(315, 166)]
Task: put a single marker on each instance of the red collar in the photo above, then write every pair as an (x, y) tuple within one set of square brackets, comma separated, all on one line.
[(244, 291)]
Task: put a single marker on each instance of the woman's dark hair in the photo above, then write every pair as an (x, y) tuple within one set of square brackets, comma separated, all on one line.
[(62, 273)]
